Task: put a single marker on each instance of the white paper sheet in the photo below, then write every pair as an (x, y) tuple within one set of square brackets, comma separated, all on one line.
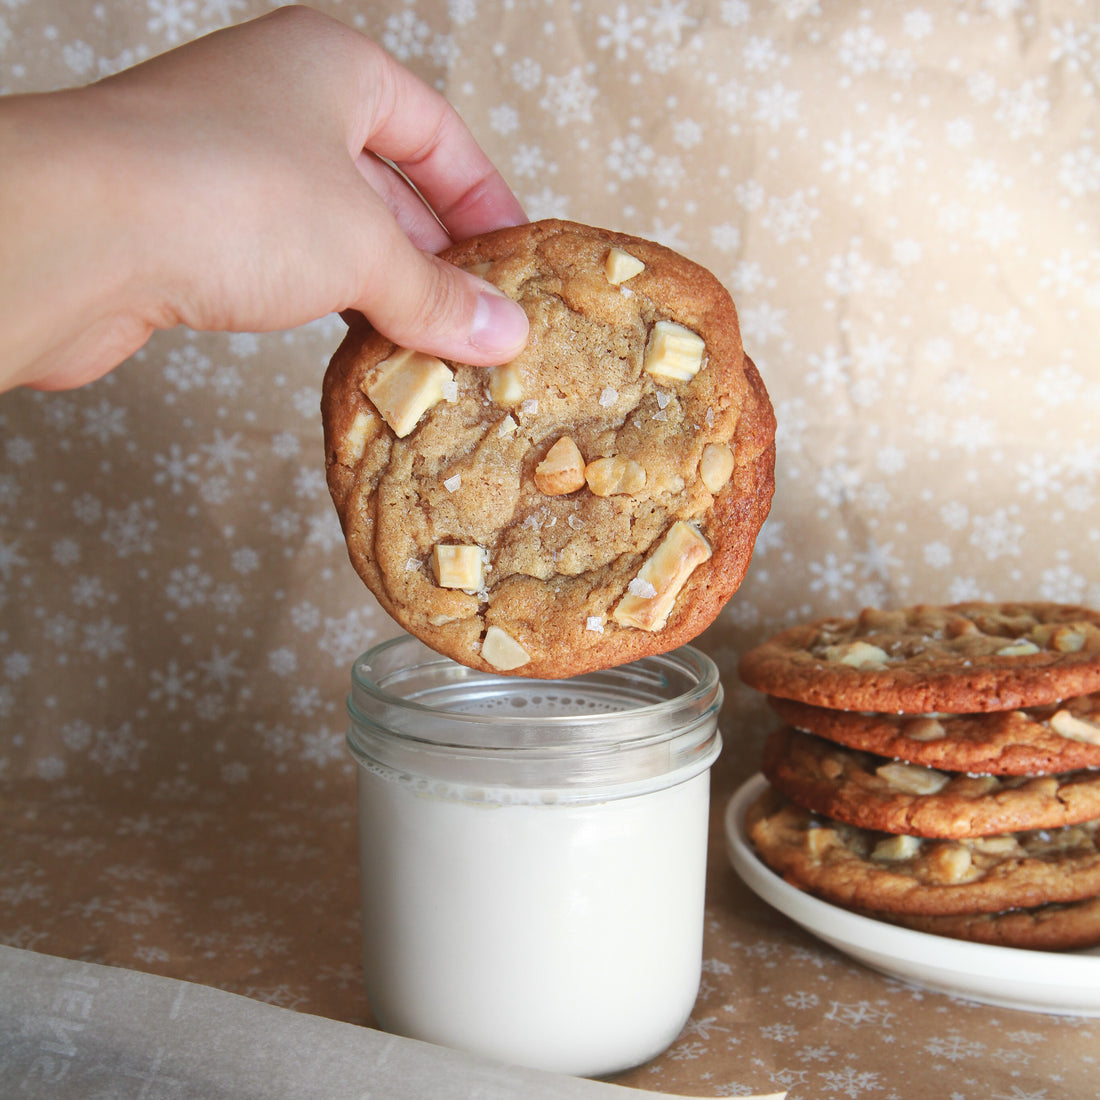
[(77, 1031)]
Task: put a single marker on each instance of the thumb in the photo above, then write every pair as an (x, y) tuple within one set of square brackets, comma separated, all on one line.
[(421, 302)]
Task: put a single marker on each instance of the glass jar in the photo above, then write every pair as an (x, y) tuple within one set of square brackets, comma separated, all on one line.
[(533, 853)]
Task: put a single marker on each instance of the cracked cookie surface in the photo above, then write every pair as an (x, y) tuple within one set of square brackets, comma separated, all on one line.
[(1058, 737), (1071, 926), (596, 499), (959, 658), (876, 792), (873, 871)]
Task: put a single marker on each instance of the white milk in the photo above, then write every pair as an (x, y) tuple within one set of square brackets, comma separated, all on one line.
[(563, 937), (556, 926)]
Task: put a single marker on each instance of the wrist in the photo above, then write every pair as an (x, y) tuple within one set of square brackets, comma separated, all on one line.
[(69, 301)]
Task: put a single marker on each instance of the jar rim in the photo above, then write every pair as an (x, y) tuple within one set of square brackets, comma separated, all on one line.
[(614, 733), (641, 713)]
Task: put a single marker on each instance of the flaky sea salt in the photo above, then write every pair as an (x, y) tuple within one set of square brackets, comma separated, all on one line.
[(507, 426), (530, 407), (452, 483), (450, 390), (663, 398), (641, 588), (608, 396), (594, 623)]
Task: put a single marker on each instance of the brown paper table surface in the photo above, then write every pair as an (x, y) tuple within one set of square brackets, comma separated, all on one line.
[(904, 200)]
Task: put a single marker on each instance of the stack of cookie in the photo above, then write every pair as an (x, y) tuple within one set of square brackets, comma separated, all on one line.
[(939, 768)]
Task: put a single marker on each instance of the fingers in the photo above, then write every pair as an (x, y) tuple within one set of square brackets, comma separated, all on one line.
[(421, 302), (414, 216), (416, 128)]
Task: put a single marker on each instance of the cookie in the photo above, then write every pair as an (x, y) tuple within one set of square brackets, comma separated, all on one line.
[(1072, 926), (1059, 737), (884, 873), (875, 792), (960, 658), (595, 500)]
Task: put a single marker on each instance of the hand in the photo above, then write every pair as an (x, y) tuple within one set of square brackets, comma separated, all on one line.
[(243, 182)]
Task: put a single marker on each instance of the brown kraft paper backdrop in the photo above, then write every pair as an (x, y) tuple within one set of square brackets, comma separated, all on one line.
[(904, 201)]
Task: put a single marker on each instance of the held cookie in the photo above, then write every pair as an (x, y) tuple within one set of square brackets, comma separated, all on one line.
[(878, 872), (960, 658), (875, 792), (1059, 737), (596, 499)]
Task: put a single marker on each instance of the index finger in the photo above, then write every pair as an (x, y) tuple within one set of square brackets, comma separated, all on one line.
[(416, 128)]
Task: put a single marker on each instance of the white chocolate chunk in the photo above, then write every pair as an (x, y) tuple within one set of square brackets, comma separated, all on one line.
[(502, 651), (506, 385), (607, 476), (912, 778), (354, 442), (951, 862), (457, 566), (621, 266), (995, 845), (480, 270), (673, 352), (1073, 728), (562, 470), (1068, 639), (856, 655), (666, 570), (1022, 648), (716, 466), (820, 840), (896, 848), (405, 386), (925, 728)]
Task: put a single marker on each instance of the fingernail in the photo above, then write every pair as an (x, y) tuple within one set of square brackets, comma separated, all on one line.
[(500, 325)]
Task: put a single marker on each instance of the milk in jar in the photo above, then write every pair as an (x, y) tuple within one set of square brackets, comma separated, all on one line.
[(533, 853)]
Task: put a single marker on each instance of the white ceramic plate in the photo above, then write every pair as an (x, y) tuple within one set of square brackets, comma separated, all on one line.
[(1062, 983)]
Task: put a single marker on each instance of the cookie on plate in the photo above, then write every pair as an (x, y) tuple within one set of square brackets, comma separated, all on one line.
[(1058, 737), (1069, 926), (960, 658), (886, 873), (593, 501), (878, 793)]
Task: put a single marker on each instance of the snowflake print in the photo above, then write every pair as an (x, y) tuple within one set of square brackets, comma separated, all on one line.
[(832, 576), (172, 18), (861, 50), (954, 1047), (629, 158), (528, 162), (790, 218), (621, 32), (1023, 111), (777, 104), (569, 98), (850, 1082), (405, 35)]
